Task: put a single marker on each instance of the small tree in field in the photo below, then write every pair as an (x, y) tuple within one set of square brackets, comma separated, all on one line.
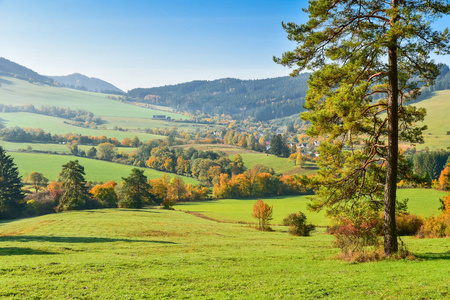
[(37, 180), (263, 212), (297, 224)]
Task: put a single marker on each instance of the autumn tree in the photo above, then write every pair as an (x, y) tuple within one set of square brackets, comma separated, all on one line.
[(37, 180), (74, 185), (263, 212), (105, 194), (106, 151), (369, 58), (10, 187), (237, 165)]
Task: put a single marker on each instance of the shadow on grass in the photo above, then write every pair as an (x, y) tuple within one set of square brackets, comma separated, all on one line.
[(139, 210), (434, 256), (5, 81), (71, 239), (22, 251)]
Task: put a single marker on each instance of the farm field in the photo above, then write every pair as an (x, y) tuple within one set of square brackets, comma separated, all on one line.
[(141, 123), (96, 170), (422, 202), (158, 254), (22, 92)]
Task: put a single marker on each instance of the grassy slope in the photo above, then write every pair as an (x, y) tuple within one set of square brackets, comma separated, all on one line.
[(438, 108), (422, 202), (19, 92), (56, 125), (136, 254), (96, 170)]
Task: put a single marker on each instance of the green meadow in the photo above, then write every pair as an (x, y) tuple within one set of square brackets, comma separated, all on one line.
[(158, 254), (422, 202), (22, 92), (58, 148), (437, 107), (56, 125), (96, 170), (279, 164)]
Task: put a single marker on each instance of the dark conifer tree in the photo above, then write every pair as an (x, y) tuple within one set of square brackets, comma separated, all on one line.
[(10, 187), (74, 185)]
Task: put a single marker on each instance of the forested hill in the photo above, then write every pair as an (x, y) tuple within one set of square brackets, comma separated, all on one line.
[(82, 82), (12, 69), (442, 83), (263, 99)]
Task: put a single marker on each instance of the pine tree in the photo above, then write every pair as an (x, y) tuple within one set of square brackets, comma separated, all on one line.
[(135, 190), (370, 59), (11, 193), (75, 190)]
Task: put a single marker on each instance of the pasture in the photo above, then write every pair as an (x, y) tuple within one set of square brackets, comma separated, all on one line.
[(56, 125), (158, 254), (58, 148), (437, 107), (96, 170), (19, 92), (422, 202)]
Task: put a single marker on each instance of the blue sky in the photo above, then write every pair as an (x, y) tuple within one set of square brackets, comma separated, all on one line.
[(149, 43)]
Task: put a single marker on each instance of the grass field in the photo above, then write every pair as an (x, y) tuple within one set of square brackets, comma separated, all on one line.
[(96, 170), (58, 148), (422, 202), (19, 92), (437, 108), (56, 125), (157, 254)]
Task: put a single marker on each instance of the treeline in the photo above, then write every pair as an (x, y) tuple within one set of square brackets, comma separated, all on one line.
[(73, 192), (38, 135), (262, 100), (77, 115), (258, 182)]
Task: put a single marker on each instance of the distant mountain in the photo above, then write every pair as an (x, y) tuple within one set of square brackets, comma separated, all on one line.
[(82, 82), (12, 69), (262, 99)]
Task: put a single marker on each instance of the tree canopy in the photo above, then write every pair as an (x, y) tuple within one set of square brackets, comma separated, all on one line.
[(370, 58)]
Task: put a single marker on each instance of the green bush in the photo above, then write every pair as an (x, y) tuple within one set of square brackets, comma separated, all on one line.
[(408, 224), (297, 224)]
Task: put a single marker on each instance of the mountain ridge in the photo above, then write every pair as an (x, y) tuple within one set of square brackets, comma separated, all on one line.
[(83, 82)]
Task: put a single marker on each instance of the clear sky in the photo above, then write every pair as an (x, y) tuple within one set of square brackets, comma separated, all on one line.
[(146, 43)]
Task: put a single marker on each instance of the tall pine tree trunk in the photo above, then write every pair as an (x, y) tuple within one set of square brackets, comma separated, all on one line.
[(390, 231)]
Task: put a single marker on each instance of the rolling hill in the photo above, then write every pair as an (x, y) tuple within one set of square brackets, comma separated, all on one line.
[(263, 99), (82, 82), (11, 69)]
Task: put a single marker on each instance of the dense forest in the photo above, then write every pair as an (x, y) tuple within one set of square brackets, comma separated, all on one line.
[(263, 99)]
